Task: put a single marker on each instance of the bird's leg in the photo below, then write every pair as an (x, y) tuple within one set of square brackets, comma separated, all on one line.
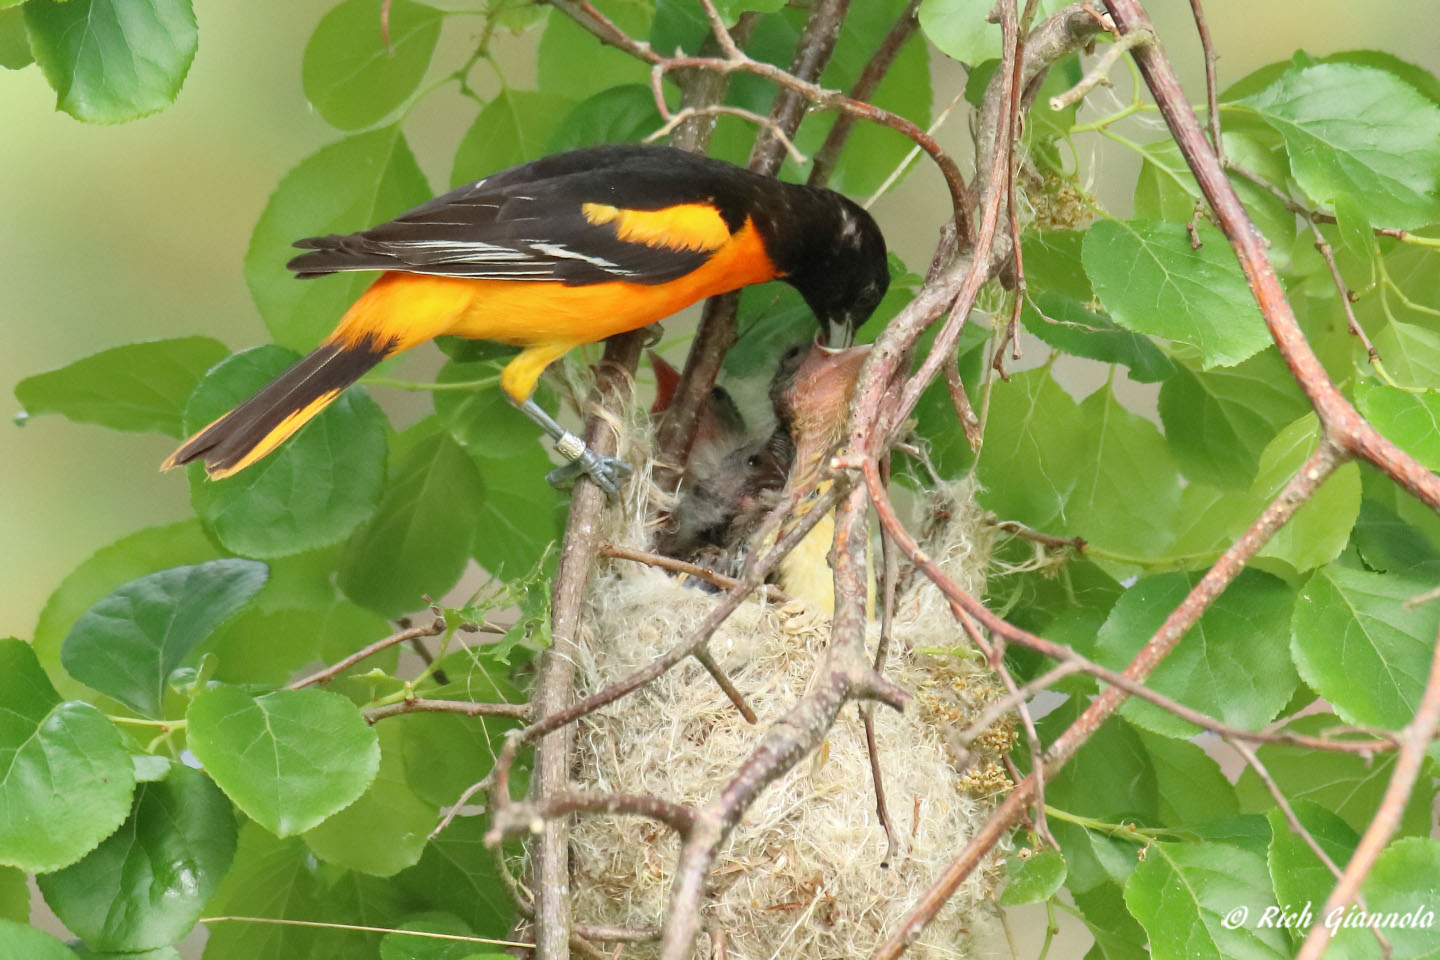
[(607, 472)]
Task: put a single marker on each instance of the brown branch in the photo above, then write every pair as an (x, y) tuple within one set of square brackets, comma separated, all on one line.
[(1343, 424), (1296, 207), (554, 689), (889, 585), (673, 120), (1323, 246), (541, 816), (1212, 84), (1316, 469), (772, 593), (1078, 544), (1413, 740), (516, 711), (864, 88), (434, 628)]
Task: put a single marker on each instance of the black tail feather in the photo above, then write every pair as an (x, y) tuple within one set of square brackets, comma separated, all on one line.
[(263, 422)]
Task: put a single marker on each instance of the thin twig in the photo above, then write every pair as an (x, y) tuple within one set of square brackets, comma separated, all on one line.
[(1323, 245), (1097, 74), (1316, 469), (772, 593), (1413, 740), (716, 110), (1212, 83), (516, 711), (895, 39), (434, 628)]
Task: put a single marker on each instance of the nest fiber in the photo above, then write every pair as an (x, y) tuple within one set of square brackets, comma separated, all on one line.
[(803, 874)]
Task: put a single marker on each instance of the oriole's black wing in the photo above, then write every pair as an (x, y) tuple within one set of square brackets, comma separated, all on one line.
[(642, 214)]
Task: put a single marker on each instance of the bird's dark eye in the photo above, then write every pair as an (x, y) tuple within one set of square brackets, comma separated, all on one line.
[(753, 461)]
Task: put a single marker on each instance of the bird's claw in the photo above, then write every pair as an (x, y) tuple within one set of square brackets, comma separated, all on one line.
[(607, 472)]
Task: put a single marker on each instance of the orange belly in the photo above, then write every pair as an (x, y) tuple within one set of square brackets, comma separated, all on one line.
[(409, 308)]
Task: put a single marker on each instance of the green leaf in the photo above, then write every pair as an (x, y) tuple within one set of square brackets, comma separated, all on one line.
[(873, 151), (1033, 878), (572, 60), (288, 759), (14, 895), (622, 114), (1228, 665), (273, 879), (445, 753), (1411, 352), (483, 420), (1151, 280), (521, 516), (1053, 263), (1166, 190), (1358, 131), (398, 946), (1218, 422), (1183, 892), (1314, 536), (1410, 420), (1346, 784), (316, 490), (112, 60), (1110, 778), (346, 186), (1191, 788), (126, 645), (960, 30), (1117, 935), (1388, 544), (1319, 530), (14, 42), (144, 887), (456, 874), (385, 830), (354, 73), (1126, 487), (151, 549), (1299, 876), (1405, 880), (1358, 646), (1070, 326), (65, 778), (22, 940), (419, 540), (268, 646), (513, 128), (141, 387), (1033, 430)]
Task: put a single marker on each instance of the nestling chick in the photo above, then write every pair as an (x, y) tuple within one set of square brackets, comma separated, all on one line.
[(811, 395), (729, 479)]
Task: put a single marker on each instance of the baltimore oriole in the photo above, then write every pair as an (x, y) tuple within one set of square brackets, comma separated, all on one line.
[(565, 250)]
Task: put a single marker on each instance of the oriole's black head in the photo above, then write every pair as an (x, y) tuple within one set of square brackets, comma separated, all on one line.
[(834, 254)]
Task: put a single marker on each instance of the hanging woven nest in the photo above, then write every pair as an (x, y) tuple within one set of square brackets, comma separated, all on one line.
[(804, 873)]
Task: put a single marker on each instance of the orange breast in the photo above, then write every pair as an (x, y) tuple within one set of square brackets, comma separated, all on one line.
[(406, 309)]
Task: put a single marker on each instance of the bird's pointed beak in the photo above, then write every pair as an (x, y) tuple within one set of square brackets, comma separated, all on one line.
[(839, 333)]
